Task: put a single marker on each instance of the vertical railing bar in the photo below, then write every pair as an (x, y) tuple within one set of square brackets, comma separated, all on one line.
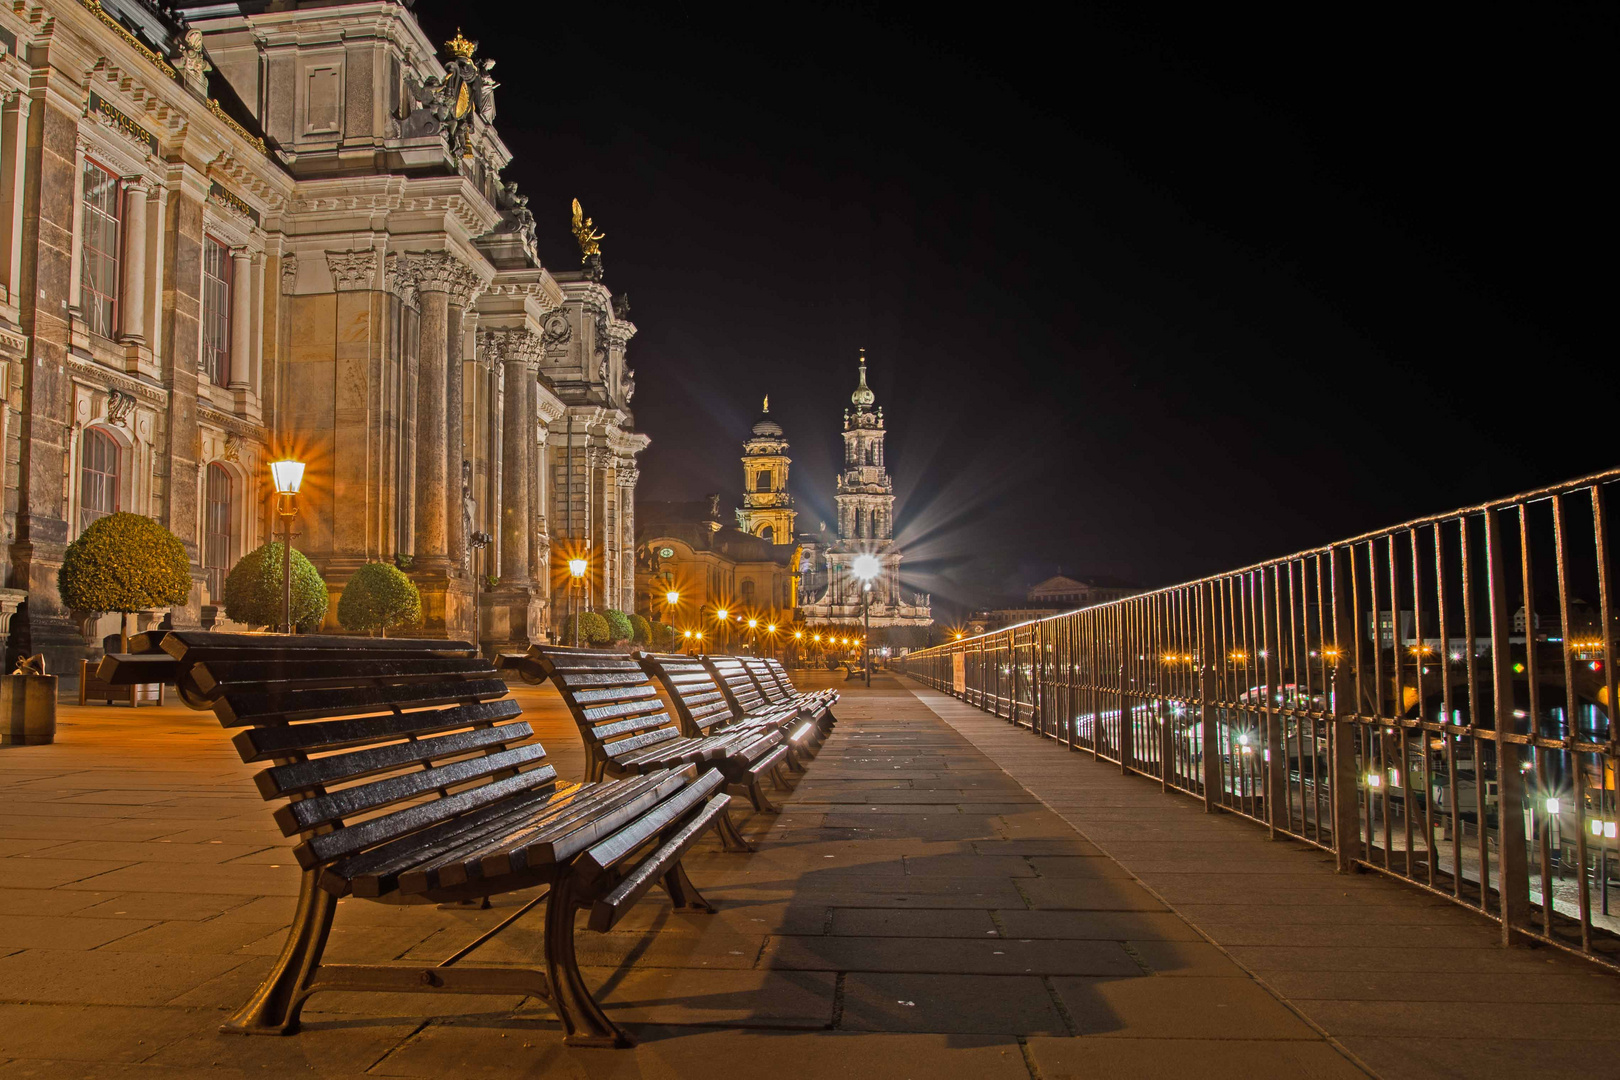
[(1450, 739), (1538, 755), (1572, 730), (1420, 732), (1514, 887), (1342, 712), (1608, 804)]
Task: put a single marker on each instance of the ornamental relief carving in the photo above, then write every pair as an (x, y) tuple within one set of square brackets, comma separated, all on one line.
[(556, 331), (289, 274), (352, 270)]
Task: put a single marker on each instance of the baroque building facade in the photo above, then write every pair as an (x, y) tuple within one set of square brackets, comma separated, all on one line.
[(865, 500), (232, 232)]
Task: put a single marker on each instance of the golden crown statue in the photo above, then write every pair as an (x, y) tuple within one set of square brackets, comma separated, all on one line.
[(460, 47)]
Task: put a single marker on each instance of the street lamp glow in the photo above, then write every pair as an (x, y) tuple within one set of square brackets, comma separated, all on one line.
[(752, 623), (867, 567), (689, 633), (797, 634), (576, 568), (287, 475), (720, 614), (672, 598), (815, 637)]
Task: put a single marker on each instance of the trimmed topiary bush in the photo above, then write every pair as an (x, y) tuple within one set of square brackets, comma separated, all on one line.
[(377, 599), (124, 562), (665, 638), (640, 630), (253, 589), (593, 630), (619, 628)]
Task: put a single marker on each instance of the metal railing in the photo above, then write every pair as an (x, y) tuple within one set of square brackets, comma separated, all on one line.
[(1400, 698)]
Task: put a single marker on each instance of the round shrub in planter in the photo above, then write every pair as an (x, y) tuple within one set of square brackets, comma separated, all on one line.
[(619, 628), (253, 590), (640, 630), (377, 599), (124, 562), (593, 630)]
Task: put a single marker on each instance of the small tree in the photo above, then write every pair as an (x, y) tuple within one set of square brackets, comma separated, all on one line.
[(641, 631), (379, 598), (253, 589), (665, 638), (124, 562), (593, 630), (619, 628)]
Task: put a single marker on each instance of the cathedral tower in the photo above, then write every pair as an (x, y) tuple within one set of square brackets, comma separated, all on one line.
[(865, 494), (767, 509)]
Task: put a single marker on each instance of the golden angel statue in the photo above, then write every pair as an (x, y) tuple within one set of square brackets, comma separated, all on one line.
[(586, 234)]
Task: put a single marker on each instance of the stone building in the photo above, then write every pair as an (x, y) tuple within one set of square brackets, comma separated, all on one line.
[(1055, 594), (281, 228), (767, 510), (865, 499), (685, 547)]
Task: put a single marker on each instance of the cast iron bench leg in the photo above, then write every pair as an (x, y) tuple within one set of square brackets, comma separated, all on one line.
[(274, 1007), (583, 1021)]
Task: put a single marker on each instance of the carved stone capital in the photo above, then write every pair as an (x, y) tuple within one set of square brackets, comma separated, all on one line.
[(442, 271), (352, 270), (289, 274), (399, 277), (516, 345)]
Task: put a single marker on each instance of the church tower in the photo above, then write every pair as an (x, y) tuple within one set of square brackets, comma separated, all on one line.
[(767, 509), (865, 494)]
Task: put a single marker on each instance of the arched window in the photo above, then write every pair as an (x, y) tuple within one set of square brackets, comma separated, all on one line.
[(747, 593), (98, 477), (766, 533), (762, 482), (217, 530)]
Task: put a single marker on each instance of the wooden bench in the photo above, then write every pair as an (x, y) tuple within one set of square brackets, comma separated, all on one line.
[(627, 729), (403, 768), (778, 688), (750, 705), (705, 705)]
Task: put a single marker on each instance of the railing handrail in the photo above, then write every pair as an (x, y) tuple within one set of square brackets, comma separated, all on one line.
[(1533, 495)]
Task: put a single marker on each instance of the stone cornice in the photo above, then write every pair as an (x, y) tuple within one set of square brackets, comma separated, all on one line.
[(94, 374), (207, 414)]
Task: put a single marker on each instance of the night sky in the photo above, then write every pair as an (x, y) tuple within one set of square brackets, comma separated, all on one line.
[(1146, 294)]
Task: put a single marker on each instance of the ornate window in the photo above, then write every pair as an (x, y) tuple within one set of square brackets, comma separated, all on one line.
[(216, 310), (762, 482), (98, 477), (98, 258), (217, 529)]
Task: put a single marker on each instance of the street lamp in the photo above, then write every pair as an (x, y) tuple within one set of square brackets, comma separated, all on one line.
[(288, 476), (576, 572), (867, 567), (479, 541)]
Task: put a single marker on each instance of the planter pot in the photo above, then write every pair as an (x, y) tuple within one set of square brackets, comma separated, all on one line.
[(27, 710)]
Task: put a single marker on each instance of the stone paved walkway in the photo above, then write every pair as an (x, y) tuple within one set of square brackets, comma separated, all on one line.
[(914, 912)]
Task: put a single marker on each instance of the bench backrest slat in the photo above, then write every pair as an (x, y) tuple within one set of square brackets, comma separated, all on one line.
[(613, 701), (700, 699), (379, 746)]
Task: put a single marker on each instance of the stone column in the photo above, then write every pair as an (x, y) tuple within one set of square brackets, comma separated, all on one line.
[(432, 456), (241, 318), (517, 433), (76, 242), (132, 300)]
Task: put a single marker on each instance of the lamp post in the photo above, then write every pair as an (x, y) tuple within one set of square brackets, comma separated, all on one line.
[(576, 574), (720, 615), (288, 476), (478, 542), (867, 567)]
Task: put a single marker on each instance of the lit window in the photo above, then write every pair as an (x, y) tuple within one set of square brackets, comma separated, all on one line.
[(216, 311), (98, 260), (98, 477)]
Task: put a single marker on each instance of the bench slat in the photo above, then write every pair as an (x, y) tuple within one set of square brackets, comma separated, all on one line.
[(248, 675), (239, 710), (376, 871), (606, 912), (187, 644), (362, 798), (264, 743), (326, 847), (602, 856), (129, 669), (357, 764)]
